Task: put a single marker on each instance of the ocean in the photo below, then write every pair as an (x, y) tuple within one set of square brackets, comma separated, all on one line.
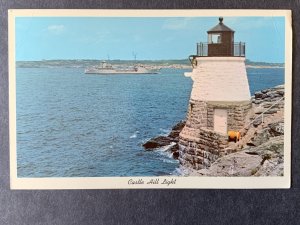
[(74, 125)]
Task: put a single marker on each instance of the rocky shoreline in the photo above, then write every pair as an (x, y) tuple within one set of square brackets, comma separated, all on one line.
[(260, 152)]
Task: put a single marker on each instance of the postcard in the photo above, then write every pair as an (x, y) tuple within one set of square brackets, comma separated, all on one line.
[(150, 99)]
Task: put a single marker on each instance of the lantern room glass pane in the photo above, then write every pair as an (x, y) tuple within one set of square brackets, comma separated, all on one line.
[(214, 38)]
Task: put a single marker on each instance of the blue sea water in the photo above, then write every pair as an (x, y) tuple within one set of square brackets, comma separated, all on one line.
[(75, 125)]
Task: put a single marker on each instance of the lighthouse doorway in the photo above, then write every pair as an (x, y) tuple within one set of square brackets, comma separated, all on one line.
[(220, 121)]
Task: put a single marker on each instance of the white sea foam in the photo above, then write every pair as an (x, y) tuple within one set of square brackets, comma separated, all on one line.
[(134, 135), (167, 156), (165, 153), (164, 131), (169, 160), (180, 171), (177, 172)]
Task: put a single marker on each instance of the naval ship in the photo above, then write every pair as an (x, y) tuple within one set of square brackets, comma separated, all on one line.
[(107, 68)]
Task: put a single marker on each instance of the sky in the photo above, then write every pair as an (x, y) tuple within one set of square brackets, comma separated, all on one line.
[(46, 38)]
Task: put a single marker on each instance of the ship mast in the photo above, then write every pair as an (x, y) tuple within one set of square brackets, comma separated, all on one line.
[(134, 55)]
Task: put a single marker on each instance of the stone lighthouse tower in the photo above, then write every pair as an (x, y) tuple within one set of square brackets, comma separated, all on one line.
[(220, 97)]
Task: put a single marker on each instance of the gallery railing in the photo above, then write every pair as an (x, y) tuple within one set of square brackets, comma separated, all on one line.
[(238, 49)]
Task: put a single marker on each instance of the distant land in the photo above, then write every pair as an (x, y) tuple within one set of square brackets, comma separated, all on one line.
[(156, 64)]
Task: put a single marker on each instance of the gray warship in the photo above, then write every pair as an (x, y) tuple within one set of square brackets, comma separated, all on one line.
[(107, 68)]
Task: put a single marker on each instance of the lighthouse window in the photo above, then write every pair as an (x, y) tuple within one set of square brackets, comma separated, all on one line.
[(214, 38)]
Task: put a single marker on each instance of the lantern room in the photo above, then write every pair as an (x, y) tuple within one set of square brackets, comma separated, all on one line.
[(220, 40), (220, 43)]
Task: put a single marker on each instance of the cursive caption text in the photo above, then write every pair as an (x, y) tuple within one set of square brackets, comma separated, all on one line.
[(155, 181)]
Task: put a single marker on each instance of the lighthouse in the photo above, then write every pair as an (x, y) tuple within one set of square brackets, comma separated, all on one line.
[(220, 97)]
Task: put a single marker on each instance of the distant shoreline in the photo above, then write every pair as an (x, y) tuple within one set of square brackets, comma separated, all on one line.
[(264, 67), (150, 64)]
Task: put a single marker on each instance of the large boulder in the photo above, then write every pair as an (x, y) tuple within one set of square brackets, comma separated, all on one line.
[(273, 148), (157, 142), (271, 153), (272, 167), (236, 164), (260, 137)]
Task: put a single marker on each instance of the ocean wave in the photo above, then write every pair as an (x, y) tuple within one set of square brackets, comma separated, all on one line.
[(164, 151)]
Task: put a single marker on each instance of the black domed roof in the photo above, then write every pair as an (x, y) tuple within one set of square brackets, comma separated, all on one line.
[(220, 27)]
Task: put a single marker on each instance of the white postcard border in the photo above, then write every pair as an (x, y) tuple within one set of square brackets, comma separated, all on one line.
[(125, 182)]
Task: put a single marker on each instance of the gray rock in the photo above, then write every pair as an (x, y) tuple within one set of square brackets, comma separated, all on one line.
[(162, 141), (277, 128), (257, 121), (258, 94), (280, 92), (271, 168), (276, 95), (176, 130), (271, 95), (259, 138), (263, 96), (157, 142), (271, 111), (264, 160), (272, 155), (257, 101), (175, 155), (274, 147), (259, 110), (236, 164)]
